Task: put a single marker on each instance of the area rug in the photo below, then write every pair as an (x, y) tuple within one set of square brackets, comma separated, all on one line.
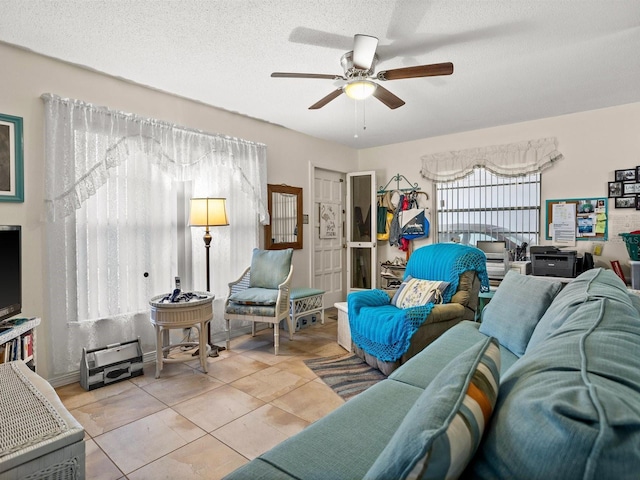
[(347, 375)]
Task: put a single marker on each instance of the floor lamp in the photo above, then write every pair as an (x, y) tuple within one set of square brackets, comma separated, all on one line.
[(208, 212)]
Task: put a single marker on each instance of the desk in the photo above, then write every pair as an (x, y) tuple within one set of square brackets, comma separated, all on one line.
[(165, 316), (483, 299)]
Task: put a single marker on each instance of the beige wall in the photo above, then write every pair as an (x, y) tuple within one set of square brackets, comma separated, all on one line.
[(593, 143), (26, 76)]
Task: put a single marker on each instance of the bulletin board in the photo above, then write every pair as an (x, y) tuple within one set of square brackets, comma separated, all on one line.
[(591, 217)]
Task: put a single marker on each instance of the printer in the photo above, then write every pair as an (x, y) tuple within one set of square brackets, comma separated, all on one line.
[(550, 261), (497, 258)]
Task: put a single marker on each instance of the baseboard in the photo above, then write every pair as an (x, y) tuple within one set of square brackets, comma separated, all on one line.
[(150, 357)]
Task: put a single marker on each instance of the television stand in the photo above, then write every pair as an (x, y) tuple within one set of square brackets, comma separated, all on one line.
[(19, 343)]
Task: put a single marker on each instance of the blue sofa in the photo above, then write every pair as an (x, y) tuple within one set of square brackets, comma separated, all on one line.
[(567, 365)]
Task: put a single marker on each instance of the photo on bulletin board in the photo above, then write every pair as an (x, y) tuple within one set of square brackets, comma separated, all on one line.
[(591, 217)]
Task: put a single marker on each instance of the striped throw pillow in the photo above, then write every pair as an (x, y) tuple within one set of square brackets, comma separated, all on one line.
[(442, 430)]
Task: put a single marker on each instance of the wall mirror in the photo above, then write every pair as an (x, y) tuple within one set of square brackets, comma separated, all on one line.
[(285, 212)]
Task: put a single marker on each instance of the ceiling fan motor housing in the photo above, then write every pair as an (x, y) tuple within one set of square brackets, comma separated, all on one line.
[(352, 72)]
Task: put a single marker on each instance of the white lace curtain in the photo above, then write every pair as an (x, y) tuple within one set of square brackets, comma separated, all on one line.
[(117, 193), (515, 159)]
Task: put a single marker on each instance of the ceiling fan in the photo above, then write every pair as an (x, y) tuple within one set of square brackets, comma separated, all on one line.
[(359, 67)]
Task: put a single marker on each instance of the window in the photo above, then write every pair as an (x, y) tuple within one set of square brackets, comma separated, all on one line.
[(116, 194), (485, 206)]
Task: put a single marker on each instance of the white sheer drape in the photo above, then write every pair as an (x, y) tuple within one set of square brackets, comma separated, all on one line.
[(116, 193), (515, 159)]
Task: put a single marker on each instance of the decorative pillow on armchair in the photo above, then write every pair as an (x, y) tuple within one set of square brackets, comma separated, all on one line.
[(269, 268), (415, 291), (442, 430)]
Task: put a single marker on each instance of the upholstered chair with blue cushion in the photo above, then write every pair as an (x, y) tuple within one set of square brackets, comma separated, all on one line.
[(262, 292), (440, 289)]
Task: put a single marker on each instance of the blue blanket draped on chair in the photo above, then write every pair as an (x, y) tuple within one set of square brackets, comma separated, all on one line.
[(383, 330)]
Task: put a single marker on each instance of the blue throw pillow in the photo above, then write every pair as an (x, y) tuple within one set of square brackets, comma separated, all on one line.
[(443, 429), (515, 309), (269, 268)]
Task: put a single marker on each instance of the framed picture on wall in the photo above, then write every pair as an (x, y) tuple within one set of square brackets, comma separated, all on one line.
[(630, 188), (329, 220), (627, 175), (626, 202), (615, 189), (11, 159)]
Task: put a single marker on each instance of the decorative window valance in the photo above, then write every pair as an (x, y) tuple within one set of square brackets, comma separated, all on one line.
[(515, 159), (106, 138)]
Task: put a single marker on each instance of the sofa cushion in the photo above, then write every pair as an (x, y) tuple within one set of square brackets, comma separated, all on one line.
[(595, 283), (345, 443), (576, 392), (269, 268), (415, 291), (255, 296), (423, 368), (515, 309), (442, 430), (253, 310)]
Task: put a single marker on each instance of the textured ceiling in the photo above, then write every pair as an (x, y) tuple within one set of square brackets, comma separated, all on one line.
[(515, 60)]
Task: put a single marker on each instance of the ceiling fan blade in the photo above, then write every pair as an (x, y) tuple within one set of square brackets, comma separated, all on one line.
[(388, 98), (322, 102), (432, 70), (364, 49), (307, 75)]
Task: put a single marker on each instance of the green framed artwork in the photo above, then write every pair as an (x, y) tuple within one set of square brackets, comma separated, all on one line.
[(11, 159), (591, 217)]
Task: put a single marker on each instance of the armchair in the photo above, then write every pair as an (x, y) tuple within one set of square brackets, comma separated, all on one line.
[(387, 332), (261, 294)]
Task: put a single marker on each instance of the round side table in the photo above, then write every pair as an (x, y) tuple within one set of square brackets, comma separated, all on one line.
[(194, 313)]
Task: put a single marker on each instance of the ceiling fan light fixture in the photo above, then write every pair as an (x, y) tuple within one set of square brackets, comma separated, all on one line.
[(359, 89)]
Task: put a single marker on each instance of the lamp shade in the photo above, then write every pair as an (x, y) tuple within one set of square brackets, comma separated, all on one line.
[(208, 212), (360, 89)]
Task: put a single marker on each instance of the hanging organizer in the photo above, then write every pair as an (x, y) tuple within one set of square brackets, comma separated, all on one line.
[(397, 178), (412, 222)]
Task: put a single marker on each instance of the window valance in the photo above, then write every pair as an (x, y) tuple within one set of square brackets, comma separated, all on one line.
[(515, 159), (109, 136)]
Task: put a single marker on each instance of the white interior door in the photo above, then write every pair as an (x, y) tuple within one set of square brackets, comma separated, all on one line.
[(361, 230), (329, 253)]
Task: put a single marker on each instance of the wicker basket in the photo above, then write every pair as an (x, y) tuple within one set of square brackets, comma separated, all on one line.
[(632, 241)]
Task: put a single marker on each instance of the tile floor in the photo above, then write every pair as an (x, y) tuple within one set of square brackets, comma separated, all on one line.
[(192, 425)]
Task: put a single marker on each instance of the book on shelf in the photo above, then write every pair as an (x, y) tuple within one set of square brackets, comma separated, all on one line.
[(27, 347)]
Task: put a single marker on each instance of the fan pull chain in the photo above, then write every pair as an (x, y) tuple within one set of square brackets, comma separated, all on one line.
[(355, 118), (364, 115)]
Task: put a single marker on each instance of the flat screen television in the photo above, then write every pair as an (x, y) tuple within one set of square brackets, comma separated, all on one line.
[(10, 271)]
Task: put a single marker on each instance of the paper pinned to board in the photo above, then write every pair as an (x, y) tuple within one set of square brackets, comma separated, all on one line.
[(563, 229)]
